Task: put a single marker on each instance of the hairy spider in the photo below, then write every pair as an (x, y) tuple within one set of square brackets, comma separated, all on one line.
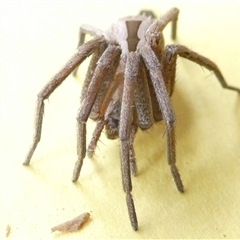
[(128, 85)]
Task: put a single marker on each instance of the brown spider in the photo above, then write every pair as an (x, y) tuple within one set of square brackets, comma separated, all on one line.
[(128, 85)]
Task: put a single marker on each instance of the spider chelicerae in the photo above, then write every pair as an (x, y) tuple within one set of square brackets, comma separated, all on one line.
[(128, 85)]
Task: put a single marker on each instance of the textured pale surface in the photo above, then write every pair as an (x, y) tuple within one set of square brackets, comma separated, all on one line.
[(36, 39)]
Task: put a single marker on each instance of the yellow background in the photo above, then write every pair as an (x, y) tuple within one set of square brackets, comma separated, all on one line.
[(36, 39)]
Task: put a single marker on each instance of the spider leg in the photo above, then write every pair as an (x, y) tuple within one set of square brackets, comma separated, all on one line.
[(143, 116), (147, 13), (159, 24), (82, 53), (86, 29), (103, 97), (157, 115), (153, 65), (132, 159), (142, 100), (95, 137), (99, 110), (154, 36), (126, 119), (171, 15), (104, 67), (101, 102), (92, 66), (105, 94), (116, 85), (169, 61)]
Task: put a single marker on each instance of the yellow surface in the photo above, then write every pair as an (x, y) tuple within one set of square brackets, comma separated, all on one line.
[(36, 39)]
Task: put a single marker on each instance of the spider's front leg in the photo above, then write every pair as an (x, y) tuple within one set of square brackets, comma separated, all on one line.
[(105, 69), (153, 65), (82, 53), (126, 121)]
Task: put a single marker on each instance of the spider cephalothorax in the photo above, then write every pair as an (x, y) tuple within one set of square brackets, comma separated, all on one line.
[(128, 85)]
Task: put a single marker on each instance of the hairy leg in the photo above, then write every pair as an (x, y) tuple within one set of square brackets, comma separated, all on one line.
[(100, 105), (87, 29), (157, 115), (82, 53), (102, 93), (126, 120), (159, 24), (170, 16), (142, 100), (95, 137), (153, 66), (132, 159), (91, 68), (104, 68), (172, 51), (154, 36)]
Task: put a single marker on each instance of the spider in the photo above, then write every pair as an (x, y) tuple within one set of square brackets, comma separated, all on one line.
[(129, 82)]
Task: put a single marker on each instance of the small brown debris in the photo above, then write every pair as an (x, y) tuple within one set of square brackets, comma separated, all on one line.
[(8, 230), (72, 225)]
